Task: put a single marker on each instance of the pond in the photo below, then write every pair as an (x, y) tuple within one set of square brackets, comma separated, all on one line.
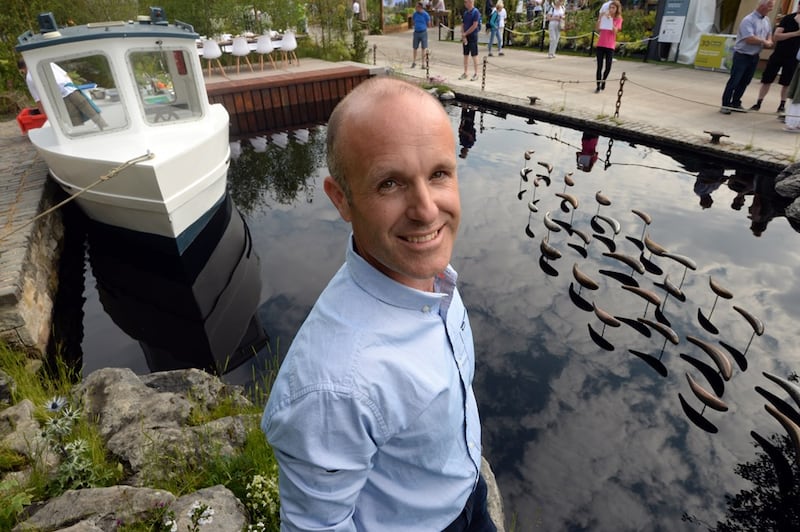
[(588, 426)]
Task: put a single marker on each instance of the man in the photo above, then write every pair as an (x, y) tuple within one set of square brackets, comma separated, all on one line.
[(372, 417), (79, 107), (755, 33), (469, 37), (421, 20), (787, 43)]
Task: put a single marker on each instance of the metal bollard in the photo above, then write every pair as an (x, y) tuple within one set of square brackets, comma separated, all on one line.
[(374, 54), (427, 62)]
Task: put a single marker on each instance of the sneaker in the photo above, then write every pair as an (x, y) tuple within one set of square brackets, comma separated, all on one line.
[(738, 108), (724, 110), (474, 77), (597, 90), (781, 108), (491, 54), (755, 107), (501, 53), (791, 129), (413, 65), (462, 76)]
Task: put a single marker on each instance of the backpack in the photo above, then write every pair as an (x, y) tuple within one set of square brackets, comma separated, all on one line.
[(493, 20)]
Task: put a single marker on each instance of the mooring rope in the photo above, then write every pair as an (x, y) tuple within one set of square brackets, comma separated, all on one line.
[(114, 171)]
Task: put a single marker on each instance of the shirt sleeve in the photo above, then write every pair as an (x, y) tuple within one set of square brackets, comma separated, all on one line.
[(324, 442)]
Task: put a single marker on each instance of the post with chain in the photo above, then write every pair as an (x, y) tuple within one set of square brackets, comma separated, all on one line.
[(483, 73), (374, 54), (619, 95), (427, 61)]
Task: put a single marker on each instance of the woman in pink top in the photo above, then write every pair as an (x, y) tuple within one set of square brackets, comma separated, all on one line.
[(608, 24)]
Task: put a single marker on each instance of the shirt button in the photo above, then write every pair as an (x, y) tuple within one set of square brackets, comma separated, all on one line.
[(426, 308), (471, 445)]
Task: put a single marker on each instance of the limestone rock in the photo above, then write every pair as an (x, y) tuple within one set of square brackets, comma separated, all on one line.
[(198, 385), (96, 508), (7, 387), (787, 183), (229, 513)]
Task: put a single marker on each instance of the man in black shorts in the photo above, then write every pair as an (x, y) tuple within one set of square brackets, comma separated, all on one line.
[(783, 59)]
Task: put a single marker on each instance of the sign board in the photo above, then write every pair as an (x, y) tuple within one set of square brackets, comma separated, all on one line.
[(672, 21), (715, 52)]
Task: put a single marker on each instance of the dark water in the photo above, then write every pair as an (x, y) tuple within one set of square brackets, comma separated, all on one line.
[(583, 433)]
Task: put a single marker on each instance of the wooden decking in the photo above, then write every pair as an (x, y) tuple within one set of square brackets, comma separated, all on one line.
[(293, 96)]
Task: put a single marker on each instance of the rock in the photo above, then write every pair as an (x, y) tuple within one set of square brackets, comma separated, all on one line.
[(200, 386), (97, 508), (447, 95), (787, 183), (7, 388), (229, 513), (494, 501), (792, 212)]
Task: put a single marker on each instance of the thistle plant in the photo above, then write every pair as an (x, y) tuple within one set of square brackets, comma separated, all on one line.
[(77, 468)]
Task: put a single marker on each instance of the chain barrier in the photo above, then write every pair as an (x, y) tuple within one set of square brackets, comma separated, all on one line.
[(374, 55), (483, 73), (619, 95), (607, 162)]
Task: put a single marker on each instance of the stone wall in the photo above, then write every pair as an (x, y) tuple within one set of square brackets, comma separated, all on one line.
[(29, 255)]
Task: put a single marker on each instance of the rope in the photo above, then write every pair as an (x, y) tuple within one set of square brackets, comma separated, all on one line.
[(106, 177)]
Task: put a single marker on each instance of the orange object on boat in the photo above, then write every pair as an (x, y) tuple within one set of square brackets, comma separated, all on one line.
[(30, 118)]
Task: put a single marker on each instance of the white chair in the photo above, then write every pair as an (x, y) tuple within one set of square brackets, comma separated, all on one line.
[(288, 46), (264, 47), (211, 52), (241, 49)]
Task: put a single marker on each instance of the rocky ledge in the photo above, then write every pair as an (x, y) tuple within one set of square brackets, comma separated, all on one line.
[(137, 415)]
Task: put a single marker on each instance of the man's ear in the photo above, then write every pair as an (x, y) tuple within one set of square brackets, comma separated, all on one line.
[(337, 197)]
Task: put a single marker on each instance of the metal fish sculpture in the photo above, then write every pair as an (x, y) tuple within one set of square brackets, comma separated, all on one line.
[(706, 397), (719, 357)]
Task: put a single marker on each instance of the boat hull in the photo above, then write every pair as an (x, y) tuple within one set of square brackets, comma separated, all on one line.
[(168, 196)]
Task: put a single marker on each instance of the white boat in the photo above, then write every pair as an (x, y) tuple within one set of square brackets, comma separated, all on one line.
[(144, 83)]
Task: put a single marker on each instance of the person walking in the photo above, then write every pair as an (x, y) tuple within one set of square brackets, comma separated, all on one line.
[(421, 20), (469, 37), (608, 24), (755, 33), (372, 417), (787, 42), (555, 20), (496, 26)]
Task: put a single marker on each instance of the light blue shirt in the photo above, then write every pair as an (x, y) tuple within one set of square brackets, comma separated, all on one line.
[(372, 417), (753, 24)]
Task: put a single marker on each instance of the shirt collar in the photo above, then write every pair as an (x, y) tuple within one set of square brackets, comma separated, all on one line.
[(393, 293)]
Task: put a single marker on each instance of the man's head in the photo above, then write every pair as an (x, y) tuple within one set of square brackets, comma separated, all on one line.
[(469, 4), (765, 6), (391, 155), (420, 7)]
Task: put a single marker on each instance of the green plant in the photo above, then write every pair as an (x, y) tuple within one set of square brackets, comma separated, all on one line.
[(160, 518), (263, 501), (358, 51), (13, 500)]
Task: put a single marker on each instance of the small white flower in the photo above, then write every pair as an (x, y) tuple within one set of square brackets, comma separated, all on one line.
[(55, 403)]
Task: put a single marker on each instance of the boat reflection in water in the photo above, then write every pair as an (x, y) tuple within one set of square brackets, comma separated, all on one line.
[(195, 310)]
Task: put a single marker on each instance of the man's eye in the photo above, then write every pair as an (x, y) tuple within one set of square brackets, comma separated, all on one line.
[(388, 184)]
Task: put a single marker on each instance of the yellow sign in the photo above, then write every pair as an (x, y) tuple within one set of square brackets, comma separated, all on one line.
[(715, 52)]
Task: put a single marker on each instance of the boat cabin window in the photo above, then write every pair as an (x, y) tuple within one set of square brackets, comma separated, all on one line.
[(167, 84), (84, 93)]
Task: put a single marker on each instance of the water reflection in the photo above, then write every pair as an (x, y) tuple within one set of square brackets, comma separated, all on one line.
[(272, 169), (196, 310), (583, 437)]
